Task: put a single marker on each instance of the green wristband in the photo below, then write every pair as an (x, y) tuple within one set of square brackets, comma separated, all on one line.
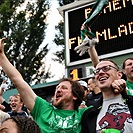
[(111, 131)]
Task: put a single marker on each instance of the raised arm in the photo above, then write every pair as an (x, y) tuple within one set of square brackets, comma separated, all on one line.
[(88, 44), (27, 94), (93, 55), (1, 97)]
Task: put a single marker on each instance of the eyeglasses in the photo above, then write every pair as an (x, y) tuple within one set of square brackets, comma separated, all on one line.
[(104, 69)]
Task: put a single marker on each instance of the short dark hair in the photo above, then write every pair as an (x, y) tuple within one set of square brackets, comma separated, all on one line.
[(77, 90), (123, 65), (25, 124), (111, 62)]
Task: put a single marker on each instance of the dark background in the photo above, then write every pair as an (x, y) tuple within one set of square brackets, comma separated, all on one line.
[(110, 20)]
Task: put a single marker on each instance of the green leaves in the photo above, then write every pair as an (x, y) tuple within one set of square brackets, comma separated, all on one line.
[(24, 27)]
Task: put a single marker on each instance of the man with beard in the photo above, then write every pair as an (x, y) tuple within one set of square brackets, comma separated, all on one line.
[(64, 116), (113, 110)]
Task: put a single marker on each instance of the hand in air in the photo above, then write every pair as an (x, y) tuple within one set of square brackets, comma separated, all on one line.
[(86, 44)]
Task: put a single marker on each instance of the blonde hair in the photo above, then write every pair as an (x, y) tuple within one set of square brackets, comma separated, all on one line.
[(3, 116)]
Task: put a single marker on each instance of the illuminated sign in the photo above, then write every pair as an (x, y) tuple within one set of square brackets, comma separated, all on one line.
[(76, 73), (113, 29)]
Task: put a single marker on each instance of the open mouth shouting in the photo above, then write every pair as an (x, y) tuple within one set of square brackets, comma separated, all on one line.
[(13, 106), (58, 96)]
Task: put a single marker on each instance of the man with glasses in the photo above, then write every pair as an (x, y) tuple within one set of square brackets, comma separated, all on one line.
[(114, 111), (127, 66)]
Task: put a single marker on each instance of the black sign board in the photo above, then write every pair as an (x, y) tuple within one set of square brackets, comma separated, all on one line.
[(113, 28)]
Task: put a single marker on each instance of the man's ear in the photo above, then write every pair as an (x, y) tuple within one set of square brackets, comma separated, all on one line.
[(119, 74), (22, 104)]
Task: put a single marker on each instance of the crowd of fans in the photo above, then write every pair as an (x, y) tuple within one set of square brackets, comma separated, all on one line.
[(103, 104)]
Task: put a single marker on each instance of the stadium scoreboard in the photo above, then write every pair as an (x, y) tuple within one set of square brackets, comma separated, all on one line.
[(113, 29)]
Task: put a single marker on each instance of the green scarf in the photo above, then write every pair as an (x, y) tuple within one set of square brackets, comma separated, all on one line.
[(92, 17)]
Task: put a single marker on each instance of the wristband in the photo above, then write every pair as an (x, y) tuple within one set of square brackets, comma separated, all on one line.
[(111, 130)]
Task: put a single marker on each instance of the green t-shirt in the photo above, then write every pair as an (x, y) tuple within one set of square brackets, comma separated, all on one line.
[(130, 88), (52, 120)]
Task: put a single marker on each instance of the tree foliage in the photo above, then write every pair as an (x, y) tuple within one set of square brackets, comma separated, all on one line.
[(65, 2), (24, 30), (59, 38), (59, 41)]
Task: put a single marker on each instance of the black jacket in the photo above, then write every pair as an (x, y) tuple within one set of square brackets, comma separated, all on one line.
[(92, 98)]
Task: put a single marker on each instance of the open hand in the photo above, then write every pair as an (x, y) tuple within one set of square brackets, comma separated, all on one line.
[(86, 44)]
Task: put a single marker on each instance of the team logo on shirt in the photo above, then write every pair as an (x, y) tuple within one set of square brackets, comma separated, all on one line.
[(115, 117), (64, 125)]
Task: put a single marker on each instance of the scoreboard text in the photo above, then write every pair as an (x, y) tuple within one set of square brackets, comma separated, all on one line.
[(113, 29)]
